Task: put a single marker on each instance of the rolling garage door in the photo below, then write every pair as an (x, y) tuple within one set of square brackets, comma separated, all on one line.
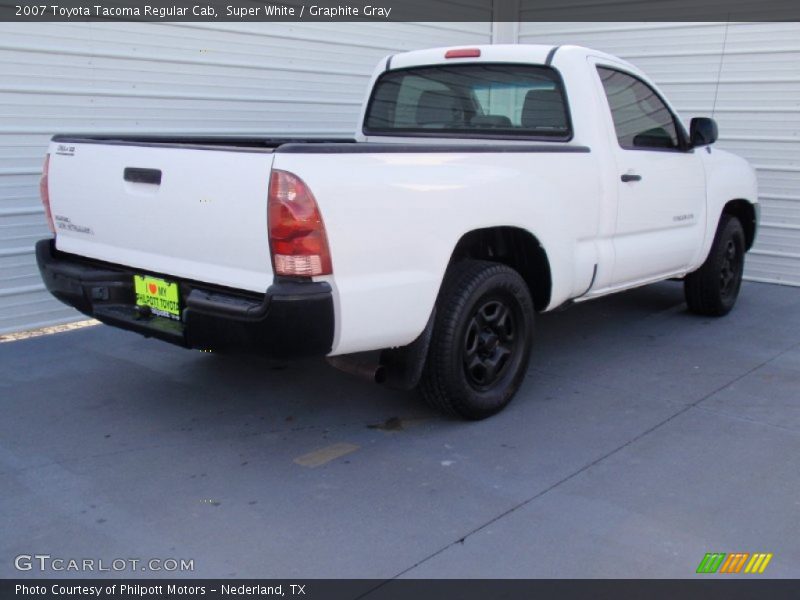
[(748, 75), (181, 78)]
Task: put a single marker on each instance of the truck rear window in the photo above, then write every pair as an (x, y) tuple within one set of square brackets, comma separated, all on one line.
[(470, 100)]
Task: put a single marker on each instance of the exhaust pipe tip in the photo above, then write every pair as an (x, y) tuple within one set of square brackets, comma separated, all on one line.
[(364, 365)]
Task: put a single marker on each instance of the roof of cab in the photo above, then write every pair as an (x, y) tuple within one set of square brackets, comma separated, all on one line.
[(524, 53)]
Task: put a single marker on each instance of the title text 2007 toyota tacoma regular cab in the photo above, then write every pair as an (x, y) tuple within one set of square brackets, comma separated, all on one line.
[(485, 184)]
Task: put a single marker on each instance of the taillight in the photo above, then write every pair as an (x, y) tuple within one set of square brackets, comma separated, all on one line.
[(297, 237), (44, 192)]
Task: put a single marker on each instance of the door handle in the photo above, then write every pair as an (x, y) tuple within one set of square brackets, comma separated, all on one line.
[(136, 175), (626, 177)]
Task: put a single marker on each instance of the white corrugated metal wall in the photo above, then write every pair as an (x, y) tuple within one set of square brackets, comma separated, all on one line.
[(203, 78), (306, 78), (757, 66)]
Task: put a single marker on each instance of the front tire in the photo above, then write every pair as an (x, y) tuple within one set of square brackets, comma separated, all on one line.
[(712, 290), (481, 340)]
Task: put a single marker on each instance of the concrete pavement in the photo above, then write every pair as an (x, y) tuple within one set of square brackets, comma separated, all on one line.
[(643, 438)]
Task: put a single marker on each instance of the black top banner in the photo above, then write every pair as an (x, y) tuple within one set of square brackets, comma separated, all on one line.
[(399, 10)]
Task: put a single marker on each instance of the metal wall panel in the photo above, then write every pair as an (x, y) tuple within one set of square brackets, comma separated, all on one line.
[(181, 78), (748, 75)]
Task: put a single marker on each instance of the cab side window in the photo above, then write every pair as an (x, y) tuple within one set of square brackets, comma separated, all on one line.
[(641, 119)]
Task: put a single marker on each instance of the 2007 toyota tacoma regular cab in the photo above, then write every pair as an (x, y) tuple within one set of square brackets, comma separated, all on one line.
[(485, 184)]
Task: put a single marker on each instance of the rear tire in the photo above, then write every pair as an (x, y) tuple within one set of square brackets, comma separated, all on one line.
[(712, 290), (481, 340)]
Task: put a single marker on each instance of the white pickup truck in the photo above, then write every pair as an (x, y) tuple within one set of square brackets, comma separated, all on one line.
[(485, 184)]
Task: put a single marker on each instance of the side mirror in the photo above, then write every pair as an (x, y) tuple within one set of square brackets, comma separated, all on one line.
[(703, 131)]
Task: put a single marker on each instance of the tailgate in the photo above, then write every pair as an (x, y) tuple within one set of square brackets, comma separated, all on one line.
[(188, 212)]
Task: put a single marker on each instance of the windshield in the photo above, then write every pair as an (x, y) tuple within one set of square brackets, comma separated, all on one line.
[(469, 100)]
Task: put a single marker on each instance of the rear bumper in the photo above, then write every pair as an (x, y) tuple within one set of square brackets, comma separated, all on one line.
[(291, 319)]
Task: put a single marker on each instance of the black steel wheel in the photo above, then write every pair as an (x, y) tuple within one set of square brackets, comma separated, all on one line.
[(712, 290), (730, 273), (481, 340), (490, 343)]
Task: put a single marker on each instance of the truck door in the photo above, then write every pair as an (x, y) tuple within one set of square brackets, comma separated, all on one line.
[(661, 208)]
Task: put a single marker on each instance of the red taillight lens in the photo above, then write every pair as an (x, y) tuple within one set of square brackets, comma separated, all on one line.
[(463, 53), (297, 237), (44, 192)]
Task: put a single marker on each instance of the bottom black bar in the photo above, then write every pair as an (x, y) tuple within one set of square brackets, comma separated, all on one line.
[(703, 587)]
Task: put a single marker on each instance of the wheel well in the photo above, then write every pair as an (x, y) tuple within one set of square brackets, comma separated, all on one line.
[(746, 213), (515, 247)]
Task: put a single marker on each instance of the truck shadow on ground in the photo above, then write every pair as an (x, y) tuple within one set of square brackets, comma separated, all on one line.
[(312, 387)]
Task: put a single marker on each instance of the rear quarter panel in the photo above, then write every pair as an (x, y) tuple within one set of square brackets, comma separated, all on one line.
[(393, 221)]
